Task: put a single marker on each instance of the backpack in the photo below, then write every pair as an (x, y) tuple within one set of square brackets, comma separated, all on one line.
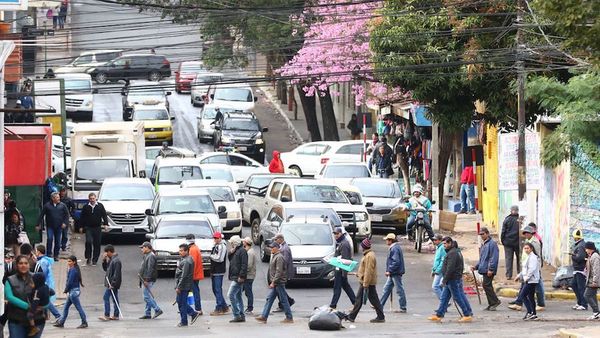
[(49, 14)]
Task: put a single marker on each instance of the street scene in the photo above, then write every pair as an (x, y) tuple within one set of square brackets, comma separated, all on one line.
[(301, 168)]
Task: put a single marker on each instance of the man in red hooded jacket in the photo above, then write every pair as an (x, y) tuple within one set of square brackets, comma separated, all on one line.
[(276, 166)]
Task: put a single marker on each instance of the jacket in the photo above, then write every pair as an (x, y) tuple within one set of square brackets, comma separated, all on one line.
[(438, 260), (343, 250), (578, 256), (453, 266), (353, 126), (593, 270), (149, 270), (537, 246), (93, 218), (530, 269), (251, 265), (44, 265), (184, 274), (395, 260), (238, 264), (276, 165), (286, 252), (488, 257), (277, 269), (367, 269), (73, 279), (383, 163), (56, 215), (510, 231), (113, 272), (196, 255), (467, 176), (217, 259), (17, 292)]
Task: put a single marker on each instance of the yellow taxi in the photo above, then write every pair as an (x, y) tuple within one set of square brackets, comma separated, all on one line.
[(158, 127)]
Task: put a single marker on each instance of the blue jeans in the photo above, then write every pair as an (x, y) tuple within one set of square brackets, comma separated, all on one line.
[(196, 292), (53, 241), (65, 238), (539, 292), (107, 299), (249, 293), (73, 299), (184, 308), (412, 219), (277, 292), (53, 310), (454, 289), (217, 289), (150, 302), (394, 280), (467, 191), (529, 297), (578, 285), (437, 288), (340, 282), (17, 330), (235, 297)]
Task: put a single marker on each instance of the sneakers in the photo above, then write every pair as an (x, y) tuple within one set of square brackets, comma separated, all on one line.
[(377, 320), (145, 317), (195, 317), (532, 318), (287, 321), (238, 320), (58, 324), (540, 308), (515, 307), (83, 326), (579, 308), (248, 311), (87, 262), (261, 319), (493, 307), (400, 311), (158, 313), (218, 313), (181, 325), (435, 318), (594, 316), (466, 319)]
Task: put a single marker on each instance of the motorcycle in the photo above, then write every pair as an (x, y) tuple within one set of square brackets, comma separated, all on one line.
[(418, 232)]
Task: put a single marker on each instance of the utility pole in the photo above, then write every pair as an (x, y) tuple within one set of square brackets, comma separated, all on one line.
[(521, 162)]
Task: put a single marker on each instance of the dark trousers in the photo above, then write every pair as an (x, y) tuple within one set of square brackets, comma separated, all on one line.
[(185, 309), (509, 253), (65, 238), (488, 288), (590, 295), (579, 288), (53, 241), (373, 299), (529, 297), (93, 239), (341, 282), (249, 294)]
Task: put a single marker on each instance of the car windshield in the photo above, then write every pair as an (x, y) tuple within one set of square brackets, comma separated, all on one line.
[(301, 212), (126, 192), (191, 68), (178, 174), (186, 205), (233, 94), (94, 170), (217, 174), (346, 171), (261, 181), (78, 85), (218, 194), (241, 124), (210, 113), (378, 189), (207, 79), (150, 114), (307, 234), (180, 229), (152, 153), (319, 194), (146, 92)]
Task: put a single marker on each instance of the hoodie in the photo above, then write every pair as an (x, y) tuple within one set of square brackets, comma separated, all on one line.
[(276, 166), (44, 265)]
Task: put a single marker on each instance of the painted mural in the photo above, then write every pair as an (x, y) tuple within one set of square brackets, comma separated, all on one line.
[(585, 197)]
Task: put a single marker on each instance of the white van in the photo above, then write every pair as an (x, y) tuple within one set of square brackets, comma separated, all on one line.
[(79, 96)]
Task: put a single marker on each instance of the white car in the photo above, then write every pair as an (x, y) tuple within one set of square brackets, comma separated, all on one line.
[(87, 60), (154, 151), (200, 87), (235, 95), (242, 166), (143, 92), (169, 172), (79, 96), (126, 200), (206, 121), (343, 172), (344, 151), (305, 160)]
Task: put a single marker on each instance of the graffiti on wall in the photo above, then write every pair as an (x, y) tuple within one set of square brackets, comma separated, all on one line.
[(585, 197)]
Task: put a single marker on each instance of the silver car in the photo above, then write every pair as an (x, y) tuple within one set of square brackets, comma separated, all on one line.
[(384, 203), (205, 125)]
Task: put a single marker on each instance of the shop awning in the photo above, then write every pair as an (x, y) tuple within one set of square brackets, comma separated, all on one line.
[(419, 118)]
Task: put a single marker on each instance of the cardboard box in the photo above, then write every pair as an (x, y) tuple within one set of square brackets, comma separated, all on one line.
[(447, 220)]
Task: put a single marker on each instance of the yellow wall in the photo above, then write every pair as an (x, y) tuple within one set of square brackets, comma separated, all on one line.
[(489, 198)]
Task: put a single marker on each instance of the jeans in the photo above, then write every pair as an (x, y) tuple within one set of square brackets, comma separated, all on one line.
[(107, 299), (196, 292), (65, 238), (509, 253), (61, 21), (249, 293), (529, 297), (394, 281), (579, 288), (488, 288), (539, 292), (53, 310), (184, 308), (217, 289), (53, 241), (435, 285), (590, 297), (150, 302), (235, 297), (93, 239), (412, 219), (73, 299), (467, 191), (373, 299), (340, 282), (16, 330), (454, 289), (277, 292)]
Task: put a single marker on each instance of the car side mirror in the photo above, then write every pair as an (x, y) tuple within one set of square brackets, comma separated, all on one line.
[(353, 200), (168, 93), (265, 130), (217, 127), (123, 93), (150, 236), (285, 199), (95, 91), (369, 204), (152, 180), (212, 96), (241, 190), (172, 118), (149, 212), (142, 174), (221, 209), (240, 200), (255, 99)]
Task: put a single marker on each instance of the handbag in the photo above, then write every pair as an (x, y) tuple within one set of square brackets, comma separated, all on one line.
[(49, 14)]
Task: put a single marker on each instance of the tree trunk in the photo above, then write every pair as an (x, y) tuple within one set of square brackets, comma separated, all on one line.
[(330, 129), (446, 141), (310, 113), (282, 91)]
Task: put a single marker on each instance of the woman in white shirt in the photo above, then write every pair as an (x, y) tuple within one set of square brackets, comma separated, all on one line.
[(530, 274)]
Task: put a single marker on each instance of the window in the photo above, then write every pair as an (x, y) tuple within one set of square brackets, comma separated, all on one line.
[(177, 174), (345, 171), (308, 150), (200, 229), (150, 115), (222, 159), (240, 161), (122, 62), (350, 149), (124, 192), (287, 193), (201, 204), (275, 214), (275, 191), (234, 94), (83, 59), (241, 124)]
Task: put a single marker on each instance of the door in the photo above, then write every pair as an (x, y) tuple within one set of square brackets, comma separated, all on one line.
[(119, 69), (309, 158), (241, 167), (348, 153), (273, 222)]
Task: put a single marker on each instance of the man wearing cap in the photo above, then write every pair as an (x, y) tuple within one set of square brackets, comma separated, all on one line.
[(394, 270), (436, 270), (278, 278), (198, 270), (367, 276), (340, 279), (147, 276), (528, 232), (247, 243), (238, 269), (488, 267), (511, 242), (286, 252), (578, 257), (418, 202), (217, 271), (183, 285)]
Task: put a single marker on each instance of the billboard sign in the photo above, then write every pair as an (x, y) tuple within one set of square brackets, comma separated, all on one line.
[(13, 5)]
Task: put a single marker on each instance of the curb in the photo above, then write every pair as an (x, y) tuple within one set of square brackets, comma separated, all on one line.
[(297, 137), (567, 333), (557, 295)]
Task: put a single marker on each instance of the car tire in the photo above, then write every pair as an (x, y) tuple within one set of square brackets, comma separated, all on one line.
[(254, 230), (295, 168), (101, 78), (154, 76), (263, 252)]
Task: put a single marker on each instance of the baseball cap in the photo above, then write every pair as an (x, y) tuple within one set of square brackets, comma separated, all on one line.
[(274, 245), (390, 236), (217, 234), (338, 230), (146, 245)]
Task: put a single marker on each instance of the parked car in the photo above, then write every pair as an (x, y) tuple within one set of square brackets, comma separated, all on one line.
[(142, 92), (383, 199), (305, 160), (242, 166), (79, 96), (206, 121), (185, 75), (200, 87), (87, 60), (241, 132), (132, 67), (158, 127), (236, 95)]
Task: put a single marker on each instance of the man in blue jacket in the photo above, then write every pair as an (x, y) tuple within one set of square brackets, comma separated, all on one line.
[(488, 267), (394, 270)]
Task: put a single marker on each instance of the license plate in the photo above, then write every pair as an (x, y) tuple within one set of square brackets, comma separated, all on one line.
[(376, 218), (303, 270), (128, 228), (152, 136), (242, 148)]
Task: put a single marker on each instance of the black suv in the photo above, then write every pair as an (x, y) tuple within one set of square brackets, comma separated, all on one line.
[(241, 131), (132, 67)]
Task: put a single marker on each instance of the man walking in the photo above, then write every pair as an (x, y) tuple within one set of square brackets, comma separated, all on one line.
[(68, 202), (217, 271), (148, 274), (394, 270), (578, 256), (112, 281), (340, 279), (196, 255), (510, 240), (93, 216), (247, 242), (56, 215), (367, 277), (44, 265), (286, 252), (467, 190), (184, 277), (238, 269), (438, 261), (488, 267), (278, 277)]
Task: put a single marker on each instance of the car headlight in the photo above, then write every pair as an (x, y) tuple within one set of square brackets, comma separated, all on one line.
[(89, 103), (225, 139), (162, 253), (399, 209), (259, 141), (234, 214), (167, 129), (361, 216)]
